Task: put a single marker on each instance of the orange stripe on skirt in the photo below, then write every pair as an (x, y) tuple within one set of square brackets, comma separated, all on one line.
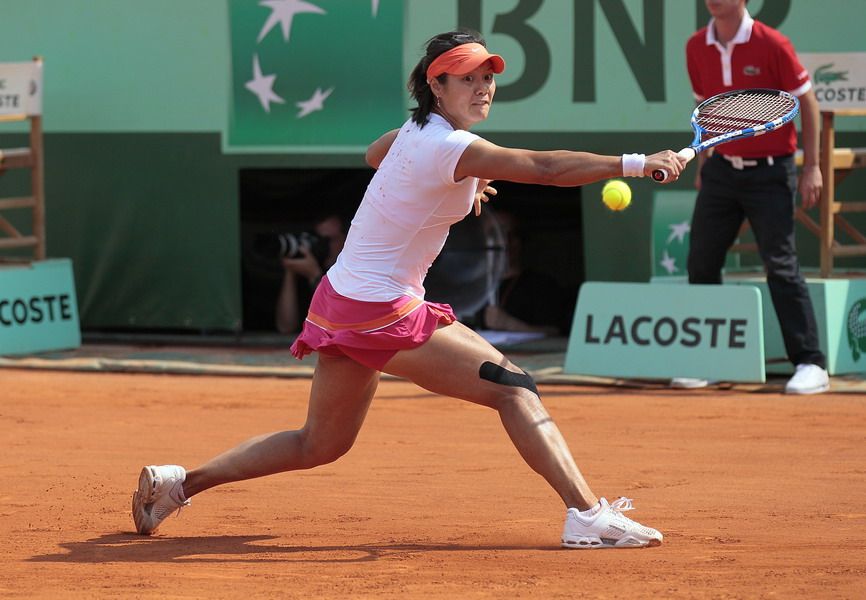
[(365, 326)]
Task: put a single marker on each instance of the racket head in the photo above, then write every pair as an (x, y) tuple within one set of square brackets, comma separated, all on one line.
[(741, 113)]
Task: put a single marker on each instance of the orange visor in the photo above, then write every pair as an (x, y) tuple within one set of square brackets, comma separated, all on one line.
[(463, 59)]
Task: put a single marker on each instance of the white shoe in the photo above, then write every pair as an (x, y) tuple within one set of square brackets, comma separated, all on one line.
[(159, 493), (689, 383), (604, 526), (808, 379)]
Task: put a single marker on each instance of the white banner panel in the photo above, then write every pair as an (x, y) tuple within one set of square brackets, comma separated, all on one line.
[(21, 88), (839, 78)]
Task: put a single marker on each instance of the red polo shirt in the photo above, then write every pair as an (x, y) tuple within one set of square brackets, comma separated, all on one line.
[(757, 57)]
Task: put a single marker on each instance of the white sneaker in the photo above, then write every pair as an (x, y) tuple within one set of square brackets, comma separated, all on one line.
[(689, 383), (604, 526), (159, 493), (808, 379)]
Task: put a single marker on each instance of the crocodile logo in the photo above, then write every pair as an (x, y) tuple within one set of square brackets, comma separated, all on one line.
[(857, 328), (823, 74)]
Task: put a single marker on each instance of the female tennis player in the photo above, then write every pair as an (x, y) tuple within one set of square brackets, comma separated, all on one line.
[(369, 315)]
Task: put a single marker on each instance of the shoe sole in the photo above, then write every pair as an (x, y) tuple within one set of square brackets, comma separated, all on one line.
[(817, 390), (697, 385), (598, 544), (142, 496)]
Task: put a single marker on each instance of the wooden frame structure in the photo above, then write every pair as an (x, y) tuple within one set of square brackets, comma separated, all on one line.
[(836, 165), (25, 158)]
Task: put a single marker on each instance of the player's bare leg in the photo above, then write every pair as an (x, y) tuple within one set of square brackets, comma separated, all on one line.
[(340, 396), (477, 372), (458, 352)]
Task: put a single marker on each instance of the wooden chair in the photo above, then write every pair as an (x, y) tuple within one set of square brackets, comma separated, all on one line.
[(836, 165), (25, 158)]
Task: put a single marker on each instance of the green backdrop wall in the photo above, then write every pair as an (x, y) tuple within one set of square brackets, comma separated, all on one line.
[(143, 196)]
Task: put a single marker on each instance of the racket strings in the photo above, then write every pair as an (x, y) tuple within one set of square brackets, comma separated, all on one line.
[(742, 111)]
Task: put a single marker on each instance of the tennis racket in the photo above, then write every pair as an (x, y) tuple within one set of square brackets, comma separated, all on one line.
[(736, 115)]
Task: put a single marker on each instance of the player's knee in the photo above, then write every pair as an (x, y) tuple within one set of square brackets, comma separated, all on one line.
[(512, 388), (500, 375), (320, 450)]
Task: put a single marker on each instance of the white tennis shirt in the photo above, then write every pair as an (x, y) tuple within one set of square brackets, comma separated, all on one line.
[(403, 220)]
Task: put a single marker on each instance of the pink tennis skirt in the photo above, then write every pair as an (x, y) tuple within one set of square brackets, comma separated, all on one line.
[(370, 333)]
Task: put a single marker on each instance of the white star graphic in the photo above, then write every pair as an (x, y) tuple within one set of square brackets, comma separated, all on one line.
[(317, 102), (282, 12), (679, 231), (669, 263), (263, 86), (375, 7)]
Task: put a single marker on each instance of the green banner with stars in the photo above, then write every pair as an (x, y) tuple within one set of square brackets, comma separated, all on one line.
[(324, 76)]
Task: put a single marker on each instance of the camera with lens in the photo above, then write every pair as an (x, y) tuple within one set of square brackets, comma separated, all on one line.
[(289, 244)]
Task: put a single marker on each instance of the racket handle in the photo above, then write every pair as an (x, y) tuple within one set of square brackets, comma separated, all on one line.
[(661, 175)]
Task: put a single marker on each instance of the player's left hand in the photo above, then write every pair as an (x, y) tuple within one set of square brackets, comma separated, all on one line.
[(482, 194), (811, 185)]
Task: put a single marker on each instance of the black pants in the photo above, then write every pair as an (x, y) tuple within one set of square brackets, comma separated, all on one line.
[(765, 195)]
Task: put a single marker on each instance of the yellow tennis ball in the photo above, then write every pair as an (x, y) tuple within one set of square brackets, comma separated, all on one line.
[(616, 194)]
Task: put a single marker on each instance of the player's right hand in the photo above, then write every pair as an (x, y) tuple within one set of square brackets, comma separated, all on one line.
[(666, 160)]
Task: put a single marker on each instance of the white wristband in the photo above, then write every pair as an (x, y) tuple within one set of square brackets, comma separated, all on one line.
[(633, 165)]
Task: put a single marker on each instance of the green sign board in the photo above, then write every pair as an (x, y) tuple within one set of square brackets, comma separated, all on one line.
[(840, 312), (38, 308), (330, 75), (314, 76), (671, 229), (639, 330)]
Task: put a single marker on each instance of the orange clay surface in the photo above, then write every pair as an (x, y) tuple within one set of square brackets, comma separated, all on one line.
[(758, 495)]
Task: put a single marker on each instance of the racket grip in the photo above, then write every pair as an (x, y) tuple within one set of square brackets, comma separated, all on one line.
[(661, 175)]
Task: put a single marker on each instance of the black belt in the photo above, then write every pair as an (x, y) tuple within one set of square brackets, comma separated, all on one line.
[(739, 162)]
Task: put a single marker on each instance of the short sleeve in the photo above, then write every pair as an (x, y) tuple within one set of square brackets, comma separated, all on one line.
[(793, 76), (450, 150), (694, 69)]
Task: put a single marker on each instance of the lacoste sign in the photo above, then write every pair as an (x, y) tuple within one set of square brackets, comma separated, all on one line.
[(21, 88), (856, 329), (688, 332), (826, 76), (839, 79), (663, 330), (38, 308)]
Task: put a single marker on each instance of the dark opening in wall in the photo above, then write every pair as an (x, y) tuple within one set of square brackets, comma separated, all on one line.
[(275, 201)]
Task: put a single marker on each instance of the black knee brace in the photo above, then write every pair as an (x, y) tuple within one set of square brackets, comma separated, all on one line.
[(497, 374)]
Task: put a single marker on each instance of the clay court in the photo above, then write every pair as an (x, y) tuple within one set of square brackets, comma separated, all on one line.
[(758, 494)]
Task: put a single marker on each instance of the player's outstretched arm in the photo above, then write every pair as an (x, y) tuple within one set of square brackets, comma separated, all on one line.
[(563, 168)]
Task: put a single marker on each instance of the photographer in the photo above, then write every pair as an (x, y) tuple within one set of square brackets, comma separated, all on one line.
[(302, 274), (527, 300)]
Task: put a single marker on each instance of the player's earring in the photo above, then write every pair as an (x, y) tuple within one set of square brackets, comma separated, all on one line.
[(438, 102)]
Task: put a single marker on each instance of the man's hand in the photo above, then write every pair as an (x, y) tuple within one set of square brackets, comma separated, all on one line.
[(811, 185), (305, 266)]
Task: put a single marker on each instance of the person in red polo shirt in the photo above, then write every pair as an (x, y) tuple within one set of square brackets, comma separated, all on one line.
[(756, 178)]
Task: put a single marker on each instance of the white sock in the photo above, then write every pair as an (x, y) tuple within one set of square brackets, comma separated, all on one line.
[(591, 511)]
